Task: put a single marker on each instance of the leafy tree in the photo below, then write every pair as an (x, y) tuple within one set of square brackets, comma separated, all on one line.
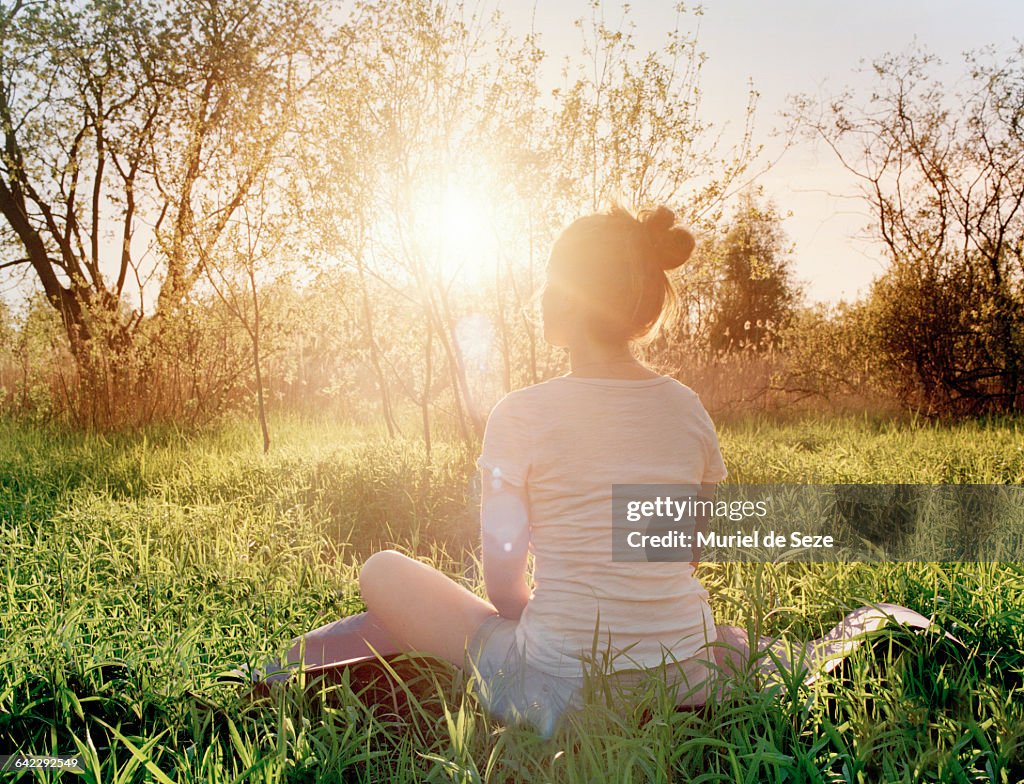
[(833, 353), (148, 142), (133, 132), (258, 257), (630, 126), (755, 292), (943, 171), (435, 99)]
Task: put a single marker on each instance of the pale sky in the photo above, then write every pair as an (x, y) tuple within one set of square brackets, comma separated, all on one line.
[(788, 47)]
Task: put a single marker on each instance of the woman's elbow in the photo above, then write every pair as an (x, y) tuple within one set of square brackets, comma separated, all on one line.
[(506, 586), (509, 605)]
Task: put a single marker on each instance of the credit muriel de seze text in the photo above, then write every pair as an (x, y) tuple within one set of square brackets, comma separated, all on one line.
[(818, 522), (770, 539), (683, 523), (689, 508)]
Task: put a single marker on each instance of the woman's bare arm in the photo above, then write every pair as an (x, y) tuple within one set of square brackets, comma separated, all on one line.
[(707, 493), (505, 535)]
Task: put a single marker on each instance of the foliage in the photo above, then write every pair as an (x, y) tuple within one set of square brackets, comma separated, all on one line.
[(629, 126), (943, 171), (755, 294), (834, 353), (133, 133), (28, 351), (311, 211), (410, 146)]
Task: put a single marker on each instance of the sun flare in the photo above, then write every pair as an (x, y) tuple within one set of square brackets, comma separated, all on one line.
[(457, 232)]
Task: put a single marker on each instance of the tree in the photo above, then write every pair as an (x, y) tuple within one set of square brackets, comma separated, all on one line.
[(431, 95), (755, 292), (133, 133), (630, 127), (943, 172), (257, 255), (834, 353)]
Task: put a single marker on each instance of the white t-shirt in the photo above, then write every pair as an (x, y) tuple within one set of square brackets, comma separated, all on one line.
[(568, 440)]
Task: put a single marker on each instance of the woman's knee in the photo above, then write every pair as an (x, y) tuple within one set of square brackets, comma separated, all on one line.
[(379, 571)]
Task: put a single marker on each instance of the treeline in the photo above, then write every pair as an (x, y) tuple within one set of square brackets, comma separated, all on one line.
[(243, 204)]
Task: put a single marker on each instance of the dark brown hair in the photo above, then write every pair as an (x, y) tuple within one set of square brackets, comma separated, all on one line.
[(614, 263)]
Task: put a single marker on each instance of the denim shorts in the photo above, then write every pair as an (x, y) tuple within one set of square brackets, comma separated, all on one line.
[(514, 691)]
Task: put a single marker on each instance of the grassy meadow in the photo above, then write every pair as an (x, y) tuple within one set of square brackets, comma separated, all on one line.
[(139, 568)]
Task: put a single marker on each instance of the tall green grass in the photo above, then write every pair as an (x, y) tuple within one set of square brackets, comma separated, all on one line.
[(137, 568)]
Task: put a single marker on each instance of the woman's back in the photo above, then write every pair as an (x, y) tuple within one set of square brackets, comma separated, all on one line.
[(568, 441)]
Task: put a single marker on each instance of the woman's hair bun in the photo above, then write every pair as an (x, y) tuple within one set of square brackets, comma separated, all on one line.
[(672, 244)]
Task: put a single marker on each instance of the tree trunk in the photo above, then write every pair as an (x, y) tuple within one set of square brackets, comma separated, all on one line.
[(506, 343), (385, 396), (428, 379), (261, 407), (260, 403), (455, 354)]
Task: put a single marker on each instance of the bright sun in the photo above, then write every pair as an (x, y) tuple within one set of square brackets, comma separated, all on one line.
[(457, 233)]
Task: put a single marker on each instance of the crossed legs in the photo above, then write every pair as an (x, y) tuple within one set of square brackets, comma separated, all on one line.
[(410, 607)]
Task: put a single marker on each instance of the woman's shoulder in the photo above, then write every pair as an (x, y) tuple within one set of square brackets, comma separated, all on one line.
[(536, 400), (521, 400), (692, 400), (682, 391), (567, 389)]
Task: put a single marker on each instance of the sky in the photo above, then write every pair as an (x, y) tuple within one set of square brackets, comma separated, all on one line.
[(788, 47)]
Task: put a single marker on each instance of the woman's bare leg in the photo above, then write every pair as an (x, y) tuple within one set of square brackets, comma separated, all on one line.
[(427, 610), (421, 608), (347, 638)]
